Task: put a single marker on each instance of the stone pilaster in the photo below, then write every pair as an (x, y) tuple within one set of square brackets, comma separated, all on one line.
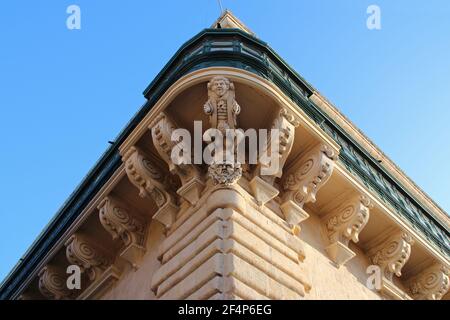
[(230, 249)]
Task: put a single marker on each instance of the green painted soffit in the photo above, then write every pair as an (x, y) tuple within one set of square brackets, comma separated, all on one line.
[(232, 48)]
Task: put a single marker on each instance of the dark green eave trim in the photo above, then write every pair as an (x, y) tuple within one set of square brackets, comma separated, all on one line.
[(246, 52), (227, 33)]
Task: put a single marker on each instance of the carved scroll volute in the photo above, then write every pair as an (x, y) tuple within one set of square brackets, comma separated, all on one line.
[(304, 180), (162, 128), (392, 254), (52, 283), (311, 173), (120, 223), (431, 284), (285, 123), (350, 219), (190, 175), (82, 251), (150, 181), (344, 226), (118, 220), (262, 185)]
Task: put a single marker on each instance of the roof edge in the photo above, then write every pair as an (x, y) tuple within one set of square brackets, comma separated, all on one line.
[(327, 106)]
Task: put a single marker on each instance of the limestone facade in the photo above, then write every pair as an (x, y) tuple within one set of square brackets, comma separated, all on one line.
[(311, 230)]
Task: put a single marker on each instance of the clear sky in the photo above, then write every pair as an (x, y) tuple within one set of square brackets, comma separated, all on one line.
[(65, 93)]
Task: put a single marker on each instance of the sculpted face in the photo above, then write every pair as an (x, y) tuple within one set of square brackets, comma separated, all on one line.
[(220, 86)]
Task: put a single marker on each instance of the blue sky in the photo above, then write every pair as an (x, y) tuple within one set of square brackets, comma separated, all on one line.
[(65, 93)]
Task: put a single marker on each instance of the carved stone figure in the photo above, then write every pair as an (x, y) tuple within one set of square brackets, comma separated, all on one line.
[(221, 106), (223, 109)]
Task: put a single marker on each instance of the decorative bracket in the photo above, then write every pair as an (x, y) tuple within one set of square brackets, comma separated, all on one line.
[(344, 225), (262, 185), (392, 254), (304, 180), (190, 175), (81, 251), (150, 181), (117, 220), (309, 174), (52, 283), (431, 284)]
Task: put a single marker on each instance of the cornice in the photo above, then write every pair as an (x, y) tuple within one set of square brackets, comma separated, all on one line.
[(253, 55), (333, 112)]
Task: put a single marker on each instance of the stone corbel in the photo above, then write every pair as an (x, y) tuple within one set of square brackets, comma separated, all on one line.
[(344, 225), (92, 260), (391, 255), (150, 181), (121, 224), (190, 175), (53, 283), (431, 284), (304, 180), (262, 185)]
